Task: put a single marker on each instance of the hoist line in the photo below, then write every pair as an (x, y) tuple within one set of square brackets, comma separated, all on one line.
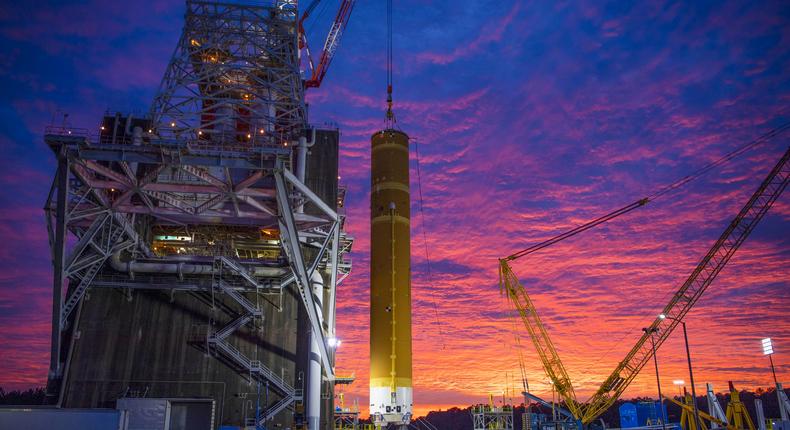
[(584, 227), (389, 43), (425, 241), (652, 197), (722, 160)]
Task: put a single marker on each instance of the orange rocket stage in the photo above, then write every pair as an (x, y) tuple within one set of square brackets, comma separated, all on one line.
[(390, 280)]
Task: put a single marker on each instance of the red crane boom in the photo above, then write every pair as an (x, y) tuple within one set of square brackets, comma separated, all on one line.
[(330, 44)]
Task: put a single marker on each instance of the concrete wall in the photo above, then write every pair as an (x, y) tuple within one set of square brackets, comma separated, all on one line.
[(152, 346)]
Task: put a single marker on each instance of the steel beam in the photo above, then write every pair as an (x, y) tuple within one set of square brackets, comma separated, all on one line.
[(59, 251), (289, 237), (307, 192), (85, 240), (333, 260)]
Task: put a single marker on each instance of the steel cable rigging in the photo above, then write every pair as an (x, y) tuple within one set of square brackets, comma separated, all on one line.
[(678, 306), (425, 241), (652, 197)]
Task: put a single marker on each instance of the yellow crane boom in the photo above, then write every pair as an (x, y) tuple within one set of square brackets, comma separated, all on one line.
[(540, 337), (680, 304)]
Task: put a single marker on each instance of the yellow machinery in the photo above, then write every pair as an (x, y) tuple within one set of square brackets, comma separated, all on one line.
[(347, 418), (679, 305), (737, 415), (687, 415)]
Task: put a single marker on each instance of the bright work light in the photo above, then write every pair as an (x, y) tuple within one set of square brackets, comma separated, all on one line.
[(768, 347)]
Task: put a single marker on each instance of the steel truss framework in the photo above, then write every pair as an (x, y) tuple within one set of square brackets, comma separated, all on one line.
[(234, 78), (485, 417), (679, 305), (107, 195), (213, 154)]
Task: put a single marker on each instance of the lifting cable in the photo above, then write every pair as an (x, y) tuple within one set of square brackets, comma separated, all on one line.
[(317, 18), (425, 241), (652, 197), (390, 115), (392, 123)]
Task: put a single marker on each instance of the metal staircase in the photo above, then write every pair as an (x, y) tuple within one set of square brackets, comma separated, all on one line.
[(217, 341), (239, 298)]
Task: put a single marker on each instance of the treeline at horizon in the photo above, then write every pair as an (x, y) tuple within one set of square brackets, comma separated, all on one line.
[(458, 418), (461, 418)]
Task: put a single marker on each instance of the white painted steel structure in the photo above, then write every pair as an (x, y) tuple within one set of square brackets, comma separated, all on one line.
[(212, 161)]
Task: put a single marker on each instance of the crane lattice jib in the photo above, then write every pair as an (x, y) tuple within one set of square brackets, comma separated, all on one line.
[(680, 304), (552, 365), (331, 43), (691, 290)]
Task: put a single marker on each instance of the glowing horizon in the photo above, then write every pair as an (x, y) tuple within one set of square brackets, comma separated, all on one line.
[(530, 119)]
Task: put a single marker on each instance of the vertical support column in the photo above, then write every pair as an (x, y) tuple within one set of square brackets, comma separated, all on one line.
[(784, 404), (58, 256), (314, 371), (758, 408), (290, 241), (333, 261)]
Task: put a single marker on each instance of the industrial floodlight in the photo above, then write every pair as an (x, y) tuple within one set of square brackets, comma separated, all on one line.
[(662, 316), (768, 347)]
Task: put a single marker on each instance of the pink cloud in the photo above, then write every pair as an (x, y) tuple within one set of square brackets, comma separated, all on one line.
[(492, 32)]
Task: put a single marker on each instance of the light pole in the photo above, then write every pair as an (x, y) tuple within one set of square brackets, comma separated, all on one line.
[(768, 349), (691, 372), (650, 332)]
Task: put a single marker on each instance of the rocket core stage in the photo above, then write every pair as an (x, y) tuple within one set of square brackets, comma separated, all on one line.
[(390, 280)]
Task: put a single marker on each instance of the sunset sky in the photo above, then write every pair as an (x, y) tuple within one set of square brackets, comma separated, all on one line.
[(531, 118)]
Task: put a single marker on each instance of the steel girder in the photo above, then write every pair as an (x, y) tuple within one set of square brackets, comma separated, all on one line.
[(106, 193), (234, 77), (230, 103), (292, 247)]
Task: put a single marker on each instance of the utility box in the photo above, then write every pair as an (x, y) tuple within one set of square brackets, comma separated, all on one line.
[(167, 414), (628, 416), (49, 418), (650, 413)]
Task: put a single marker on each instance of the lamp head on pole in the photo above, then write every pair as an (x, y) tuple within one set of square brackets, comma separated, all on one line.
[(768, 347)]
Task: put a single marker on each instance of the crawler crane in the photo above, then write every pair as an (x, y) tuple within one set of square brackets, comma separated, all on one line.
[(679, 305)]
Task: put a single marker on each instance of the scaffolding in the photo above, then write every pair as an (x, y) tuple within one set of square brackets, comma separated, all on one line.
[(489, 417), (347, 418), (199, 196)]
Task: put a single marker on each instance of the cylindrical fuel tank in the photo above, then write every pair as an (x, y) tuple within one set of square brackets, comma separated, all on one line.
[(390, 279)]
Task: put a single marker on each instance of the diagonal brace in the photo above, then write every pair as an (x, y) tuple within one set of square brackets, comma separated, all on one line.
[(290, 242)]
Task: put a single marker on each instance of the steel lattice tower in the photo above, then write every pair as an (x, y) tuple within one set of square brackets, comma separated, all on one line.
[(234, 78), (188, 259)]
